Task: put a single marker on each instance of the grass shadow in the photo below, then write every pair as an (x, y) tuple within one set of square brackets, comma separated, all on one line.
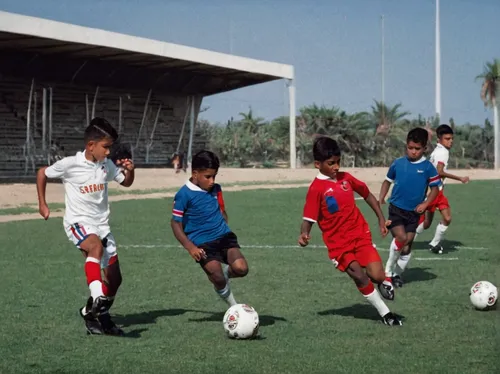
[(264, 320), (358, 311), (413, 274), (448, 245)]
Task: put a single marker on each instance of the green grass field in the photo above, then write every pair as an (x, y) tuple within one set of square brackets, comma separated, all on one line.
[(313, 319)]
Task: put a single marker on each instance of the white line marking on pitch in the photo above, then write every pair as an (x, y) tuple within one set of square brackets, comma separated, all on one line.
[(284, 246)]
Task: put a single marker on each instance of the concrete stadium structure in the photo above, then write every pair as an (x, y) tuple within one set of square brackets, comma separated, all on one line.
[(55, 77)]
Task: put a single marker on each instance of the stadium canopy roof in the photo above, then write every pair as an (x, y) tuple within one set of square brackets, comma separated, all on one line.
[(45, 49)]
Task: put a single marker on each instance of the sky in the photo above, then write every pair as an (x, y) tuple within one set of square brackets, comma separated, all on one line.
[(334, 46)]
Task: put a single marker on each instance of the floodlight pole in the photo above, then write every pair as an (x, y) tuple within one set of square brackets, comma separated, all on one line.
[(438, 63), (191, 133), (293, 148)]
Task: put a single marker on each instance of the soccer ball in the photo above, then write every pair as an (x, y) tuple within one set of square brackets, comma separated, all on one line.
[(241, 321), (483, 295)]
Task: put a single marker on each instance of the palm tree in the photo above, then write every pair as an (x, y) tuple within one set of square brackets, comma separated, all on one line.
[(489, 91), (385, 117)]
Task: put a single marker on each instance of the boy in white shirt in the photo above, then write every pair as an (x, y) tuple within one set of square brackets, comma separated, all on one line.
[(439, 158), (85, 177)]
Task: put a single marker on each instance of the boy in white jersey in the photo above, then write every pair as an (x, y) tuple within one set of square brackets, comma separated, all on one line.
[(85, 177), (439, 159)]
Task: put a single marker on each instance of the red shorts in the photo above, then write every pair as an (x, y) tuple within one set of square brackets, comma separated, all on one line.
[(360, 250), (439, 203)]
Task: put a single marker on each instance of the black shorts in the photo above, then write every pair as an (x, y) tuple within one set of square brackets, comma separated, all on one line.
[(217, 249), (400, 217)]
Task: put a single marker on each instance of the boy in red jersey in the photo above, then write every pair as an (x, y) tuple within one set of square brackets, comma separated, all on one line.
[(330, 202)]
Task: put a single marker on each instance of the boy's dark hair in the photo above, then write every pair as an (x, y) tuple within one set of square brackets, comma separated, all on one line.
[(205, 160), (443, 130), (324, 148), (99, 129), (418, 135)]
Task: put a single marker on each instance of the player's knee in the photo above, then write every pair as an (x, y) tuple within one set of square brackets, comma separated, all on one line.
[(378, 277), (95, 250), (240, 269), (401, 237), (446, 221)]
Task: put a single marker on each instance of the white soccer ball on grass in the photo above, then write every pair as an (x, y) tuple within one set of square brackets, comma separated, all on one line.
[(241, 321), (483, 295)]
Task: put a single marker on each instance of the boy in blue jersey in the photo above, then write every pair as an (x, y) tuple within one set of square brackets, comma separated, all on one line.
[(199, 223), (411, 175)]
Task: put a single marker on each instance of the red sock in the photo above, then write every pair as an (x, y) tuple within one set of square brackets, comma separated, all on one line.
[(399, 245), (93, 270), (366, 290), (105, 289)]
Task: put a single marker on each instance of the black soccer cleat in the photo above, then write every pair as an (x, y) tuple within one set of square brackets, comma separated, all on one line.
[(108, 326), (91, 323), (397, 281), (99, 306), (386, 289), (392, 319), (437, 249)]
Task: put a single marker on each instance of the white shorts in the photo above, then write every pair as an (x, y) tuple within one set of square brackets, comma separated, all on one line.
[(78, 232)]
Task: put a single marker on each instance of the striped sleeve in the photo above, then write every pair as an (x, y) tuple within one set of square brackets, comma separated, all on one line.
[(433, 178), (180, 205), (220, 198)]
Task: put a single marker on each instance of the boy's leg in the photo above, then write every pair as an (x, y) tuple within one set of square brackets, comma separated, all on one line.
[(397, 244), (398, 218), (425, 222), (367, 289), (237, 264), (411, 224), (404, 259), (441, 227), (213, 269), (92, 246), (111, 269)]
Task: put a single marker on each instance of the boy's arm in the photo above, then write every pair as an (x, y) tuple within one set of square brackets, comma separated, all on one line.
[(180, 235), (129, 178), (443, 174), (372, 202), (383, 191), (310, 215), (305, 230), (41, 184), (386, 184), (430, 198)]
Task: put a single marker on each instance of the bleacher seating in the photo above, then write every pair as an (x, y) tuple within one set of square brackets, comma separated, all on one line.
[(69, 122)]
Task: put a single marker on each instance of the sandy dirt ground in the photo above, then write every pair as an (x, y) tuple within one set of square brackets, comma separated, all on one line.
[(16, 195)]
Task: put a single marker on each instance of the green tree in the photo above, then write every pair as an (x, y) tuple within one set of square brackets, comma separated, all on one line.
[(490, 78)]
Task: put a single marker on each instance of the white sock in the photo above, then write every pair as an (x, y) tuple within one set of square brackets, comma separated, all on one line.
[(95, 288), (420, 229), (402, 263), (375, 299), (439, 235), (393, 257), (227, 295)]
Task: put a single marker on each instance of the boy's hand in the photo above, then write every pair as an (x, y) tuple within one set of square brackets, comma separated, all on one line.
[(383, 227), (382, 202), (304, 239), (464, 180), (421, 207), (44, 211), (197, 253), (126, 163)]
